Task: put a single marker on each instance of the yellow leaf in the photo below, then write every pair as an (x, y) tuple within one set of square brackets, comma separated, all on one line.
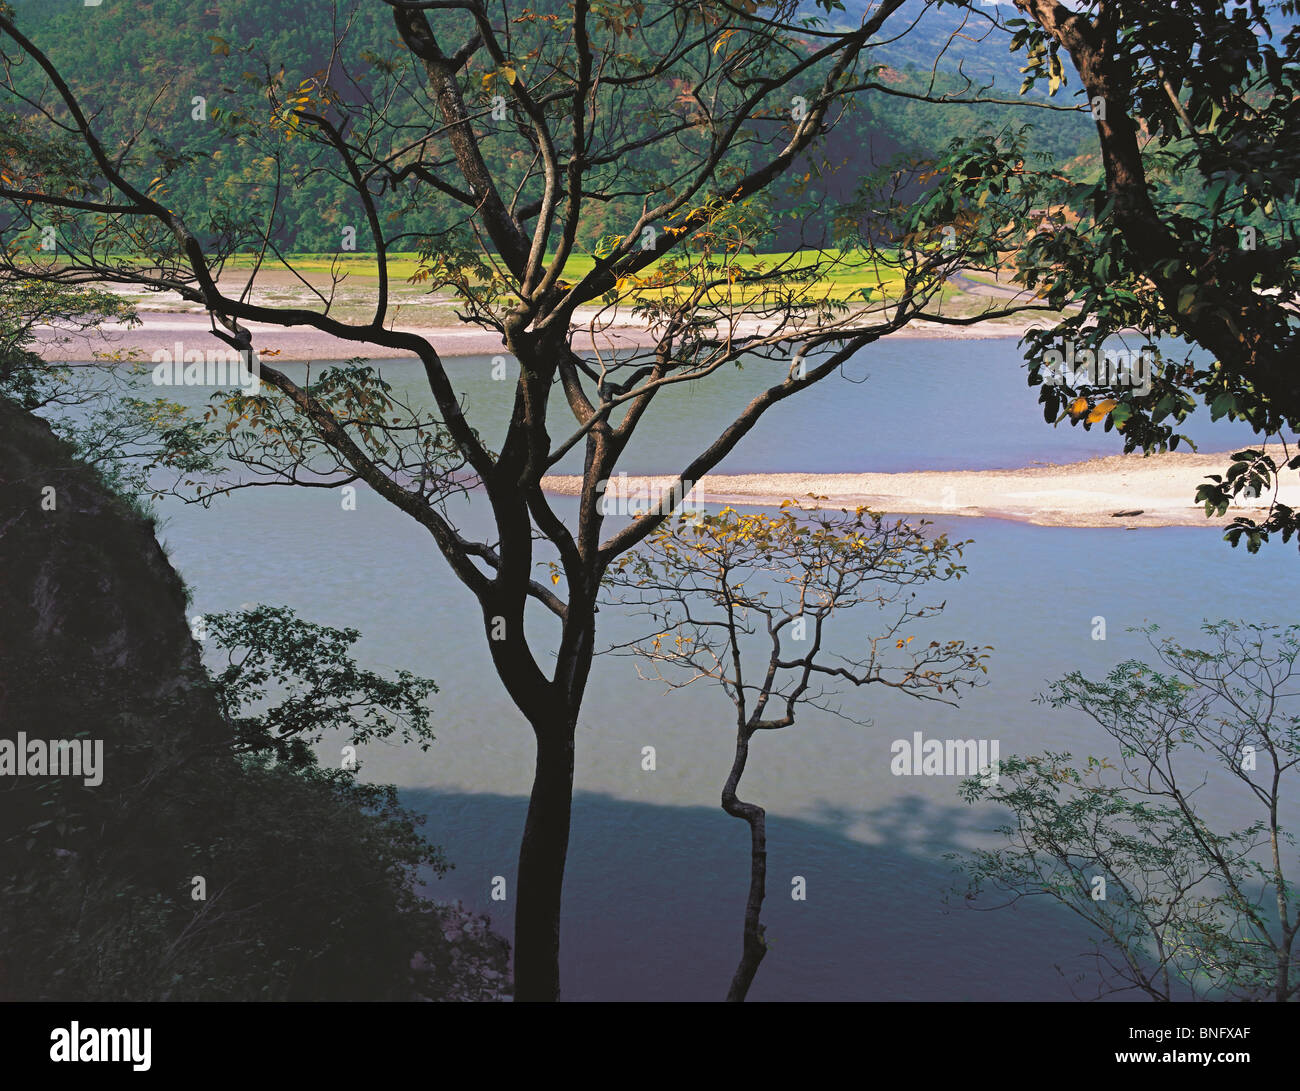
[(1101, 409)]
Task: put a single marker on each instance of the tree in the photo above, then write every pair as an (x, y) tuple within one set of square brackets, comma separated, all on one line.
[(532, 122), (196, 850), (310, 879), (92, 407), (747, 601), (359, 855), (1187, 903), (1190, 230)]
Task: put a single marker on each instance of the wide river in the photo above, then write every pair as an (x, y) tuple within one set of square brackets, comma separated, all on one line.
[(657, 873)]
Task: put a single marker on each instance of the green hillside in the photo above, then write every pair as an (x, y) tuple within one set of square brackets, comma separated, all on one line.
[(184, 76)]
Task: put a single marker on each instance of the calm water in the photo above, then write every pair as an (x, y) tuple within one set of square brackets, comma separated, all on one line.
[(657, 872), (902, 405), (906, 405)]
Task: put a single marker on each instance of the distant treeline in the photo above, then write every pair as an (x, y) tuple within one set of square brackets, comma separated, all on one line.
[(189, 76)]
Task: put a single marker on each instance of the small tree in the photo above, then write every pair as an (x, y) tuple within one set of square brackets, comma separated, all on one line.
[(1186, 904), (746, 600), (94, 406)]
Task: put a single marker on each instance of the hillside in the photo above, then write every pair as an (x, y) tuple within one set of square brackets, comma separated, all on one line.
[(150, 67)]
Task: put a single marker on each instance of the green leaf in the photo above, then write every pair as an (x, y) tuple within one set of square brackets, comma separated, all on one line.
[(1222, 405)]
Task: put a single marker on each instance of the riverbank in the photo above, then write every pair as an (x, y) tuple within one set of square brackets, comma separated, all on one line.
[(1116, 491), (163, 329)]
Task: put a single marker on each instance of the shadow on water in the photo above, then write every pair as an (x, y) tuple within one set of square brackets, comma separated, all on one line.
[(654, 897)]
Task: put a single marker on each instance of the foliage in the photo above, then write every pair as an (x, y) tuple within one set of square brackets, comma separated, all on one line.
[(236, 54), (786, 577), (747, 601), (311, 876), (1186, 902), (667, 135), (1190, 229), (268, 649), (94, 406)]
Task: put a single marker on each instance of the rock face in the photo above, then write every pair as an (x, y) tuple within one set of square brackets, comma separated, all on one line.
[(97, 880), (93, 625), (95, 650)]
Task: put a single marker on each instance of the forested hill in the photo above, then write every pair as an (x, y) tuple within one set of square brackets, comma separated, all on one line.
[(969, 41), (970, 37), (143, 66)]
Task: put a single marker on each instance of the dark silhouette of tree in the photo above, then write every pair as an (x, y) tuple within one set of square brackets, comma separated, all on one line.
[(1190, 229)]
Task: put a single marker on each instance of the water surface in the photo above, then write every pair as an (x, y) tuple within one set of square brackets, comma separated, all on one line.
[(656, 880)]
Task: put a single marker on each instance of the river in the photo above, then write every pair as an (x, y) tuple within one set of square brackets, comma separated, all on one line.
[(656, 879)]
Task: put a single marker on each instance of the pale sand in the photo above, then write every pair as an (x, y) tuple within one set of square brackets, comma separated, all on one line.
[(163, 329), (1080, 494)]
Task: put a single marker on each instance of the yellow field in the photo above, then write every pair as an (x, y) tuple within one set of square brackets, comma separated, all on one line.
[(835, 275)]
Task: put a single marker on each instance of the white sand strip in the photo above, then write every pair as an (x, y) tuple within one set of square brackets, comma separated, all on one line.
[(1081, 494)]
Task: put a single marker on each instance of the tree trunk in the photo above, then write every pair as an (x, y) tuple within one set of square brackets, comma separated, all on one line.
[(542, 854), (754, 945)]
